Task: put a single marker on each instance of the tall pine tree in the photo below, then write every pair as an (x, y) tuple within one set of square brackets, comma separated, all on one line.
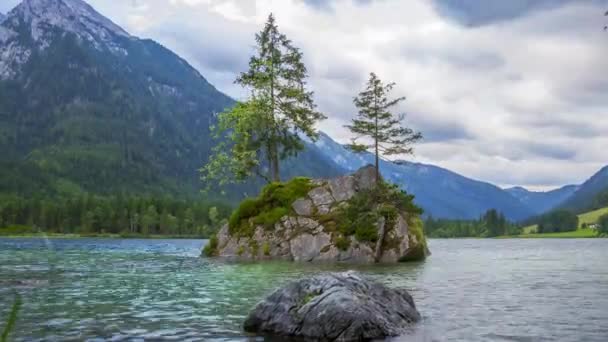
[(268, 125), (381, 128)]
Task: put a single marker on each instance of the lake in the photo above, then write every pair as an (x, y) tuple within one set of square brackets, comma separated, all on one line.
[(468, 290)]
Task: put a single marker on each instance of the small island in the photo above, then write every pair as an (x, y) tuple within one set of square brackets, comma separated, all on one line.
[(345, 219)]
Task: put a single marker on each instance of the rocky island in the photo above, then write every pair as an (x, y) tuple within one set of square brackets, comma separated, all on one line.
[(334, 307), (346, 219)]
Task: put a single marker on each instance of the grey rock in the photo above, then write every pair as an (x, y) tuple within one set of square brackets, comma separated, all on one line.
[(303, 207), (401, 232), (365, 177), (342, 188), (334, 307), (307, 247), (321, 196), (358, 253), (381, 232), (328, 253), (308, 224)]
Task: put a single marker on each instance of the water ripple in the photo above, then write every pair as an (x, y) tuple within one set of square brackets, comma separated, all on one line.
[(469, 290)]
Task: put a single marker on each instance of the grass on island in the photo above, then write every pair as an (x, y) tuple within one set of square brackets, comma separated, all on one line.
[(583, 219)]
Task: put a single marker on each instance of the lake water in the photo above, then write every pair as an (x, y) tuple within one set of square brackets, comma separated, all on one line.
[(468, 290)]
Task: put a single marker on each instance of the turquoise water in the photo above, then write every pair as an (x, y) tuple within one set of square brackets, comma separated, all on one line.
[(468, 290)]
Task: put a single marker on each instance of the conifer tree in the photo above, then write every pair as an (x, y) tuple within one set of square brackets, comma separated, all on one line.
[(267, 126), (381, 128)]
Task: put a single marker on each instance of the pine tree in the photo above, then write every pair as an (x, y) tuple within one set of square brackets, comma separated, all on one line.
[(376, 122), (268, 125)]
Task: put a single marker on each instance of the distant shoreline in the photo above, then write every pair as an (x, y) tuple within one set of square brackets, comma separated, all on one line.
[(100, 236)]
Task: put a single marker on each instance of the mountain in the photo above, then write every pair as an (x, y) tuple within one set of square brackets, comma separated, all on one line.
[(541, 202), (440, 192), (2, 16), (585, 197), (87, 107)]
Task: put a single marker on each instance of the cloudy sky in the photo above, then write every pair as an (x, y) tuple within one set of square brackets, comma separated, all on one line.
[(511, 92)]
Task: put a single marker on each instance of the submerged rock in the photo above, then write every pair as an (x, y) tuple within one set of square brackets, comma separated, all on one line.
[(334, 307), (317, 224)]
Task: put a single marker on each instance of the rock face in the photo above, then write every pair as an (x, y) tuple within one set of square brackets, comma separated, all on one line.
[(305, 234), (334, 307)]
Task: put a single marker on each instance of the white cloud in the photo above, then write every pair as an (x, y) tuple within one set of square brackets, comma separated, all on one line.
[(518, 101)]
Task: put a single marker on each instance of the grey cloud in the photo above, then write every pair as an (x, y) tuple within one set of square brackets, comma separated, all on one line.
[(558, 152), (478, 13), (517, 97)]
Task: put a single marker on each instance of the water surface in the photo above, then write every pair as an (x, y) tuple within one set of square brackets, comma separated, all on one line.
[(468, 290)]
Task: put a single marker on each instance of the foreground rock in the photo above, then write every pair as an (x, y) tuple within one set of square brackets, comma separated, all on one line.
[(334, 307), (335, 220)]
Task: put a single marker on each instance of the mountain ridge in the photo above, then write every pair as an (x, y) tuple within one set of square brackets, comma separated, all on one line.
[(542, 201), (128, 114), (583, 199)]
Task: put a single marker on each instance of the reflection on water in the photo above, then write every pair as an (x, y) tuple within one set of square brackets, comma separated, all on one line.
[(469, 290)]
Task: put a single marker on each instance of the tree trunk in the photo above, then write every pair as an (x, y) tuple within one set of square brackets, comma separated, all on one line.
[(376, 138), (377, 164), (276, 175), (274, 153)]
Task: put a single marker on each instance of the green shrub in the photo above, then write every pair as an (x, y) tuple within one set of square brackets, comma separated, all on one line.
[(603, 225), (342, 243), (17, 230), (211, 247), (269, 207), (247, 209), (269, 218), (361, 214), (240, 251), (253, 245), (266, 249)]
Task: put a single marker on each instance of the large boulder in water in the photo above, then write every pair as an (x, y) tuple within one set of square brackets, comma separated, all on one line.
[(334, 307), (345, 219)]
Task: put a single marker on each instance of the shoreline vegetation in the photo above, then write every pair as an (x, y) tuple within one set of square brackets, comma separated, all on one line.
[(43, 235)]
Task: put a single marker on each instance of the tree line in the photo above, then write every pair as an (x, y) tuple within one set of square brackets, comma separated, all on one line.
[(493, 223), (126, 215), (557, 221)]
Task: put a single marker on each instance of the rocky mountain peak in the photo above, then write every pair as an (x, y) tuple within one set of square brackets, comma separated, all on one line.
[(36, 24), (74, 16)]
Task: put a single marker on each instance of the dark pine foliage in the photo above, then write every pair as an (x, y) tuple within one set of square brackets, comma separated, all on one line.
[(125, 215)]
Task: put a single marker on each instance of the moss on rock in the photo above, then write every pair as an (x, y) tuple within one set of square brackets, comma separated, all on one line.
[(210, 249), (274, 202)]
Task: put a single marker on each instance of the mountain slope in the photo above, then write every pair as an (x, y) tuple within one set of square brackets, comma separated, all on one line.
[(583, 199), (541, 202), (85, 106), (440, 192)]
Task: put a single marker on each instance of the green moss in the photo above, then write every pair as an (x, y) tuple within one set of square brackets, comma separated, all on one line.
[(269, 218), (342, 242), (254, 247), (247, 209), (266, 249), (211, 247), (416, 227), (240, 251), (308, 298), (269, 207), (417, 253), (325, 249)]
